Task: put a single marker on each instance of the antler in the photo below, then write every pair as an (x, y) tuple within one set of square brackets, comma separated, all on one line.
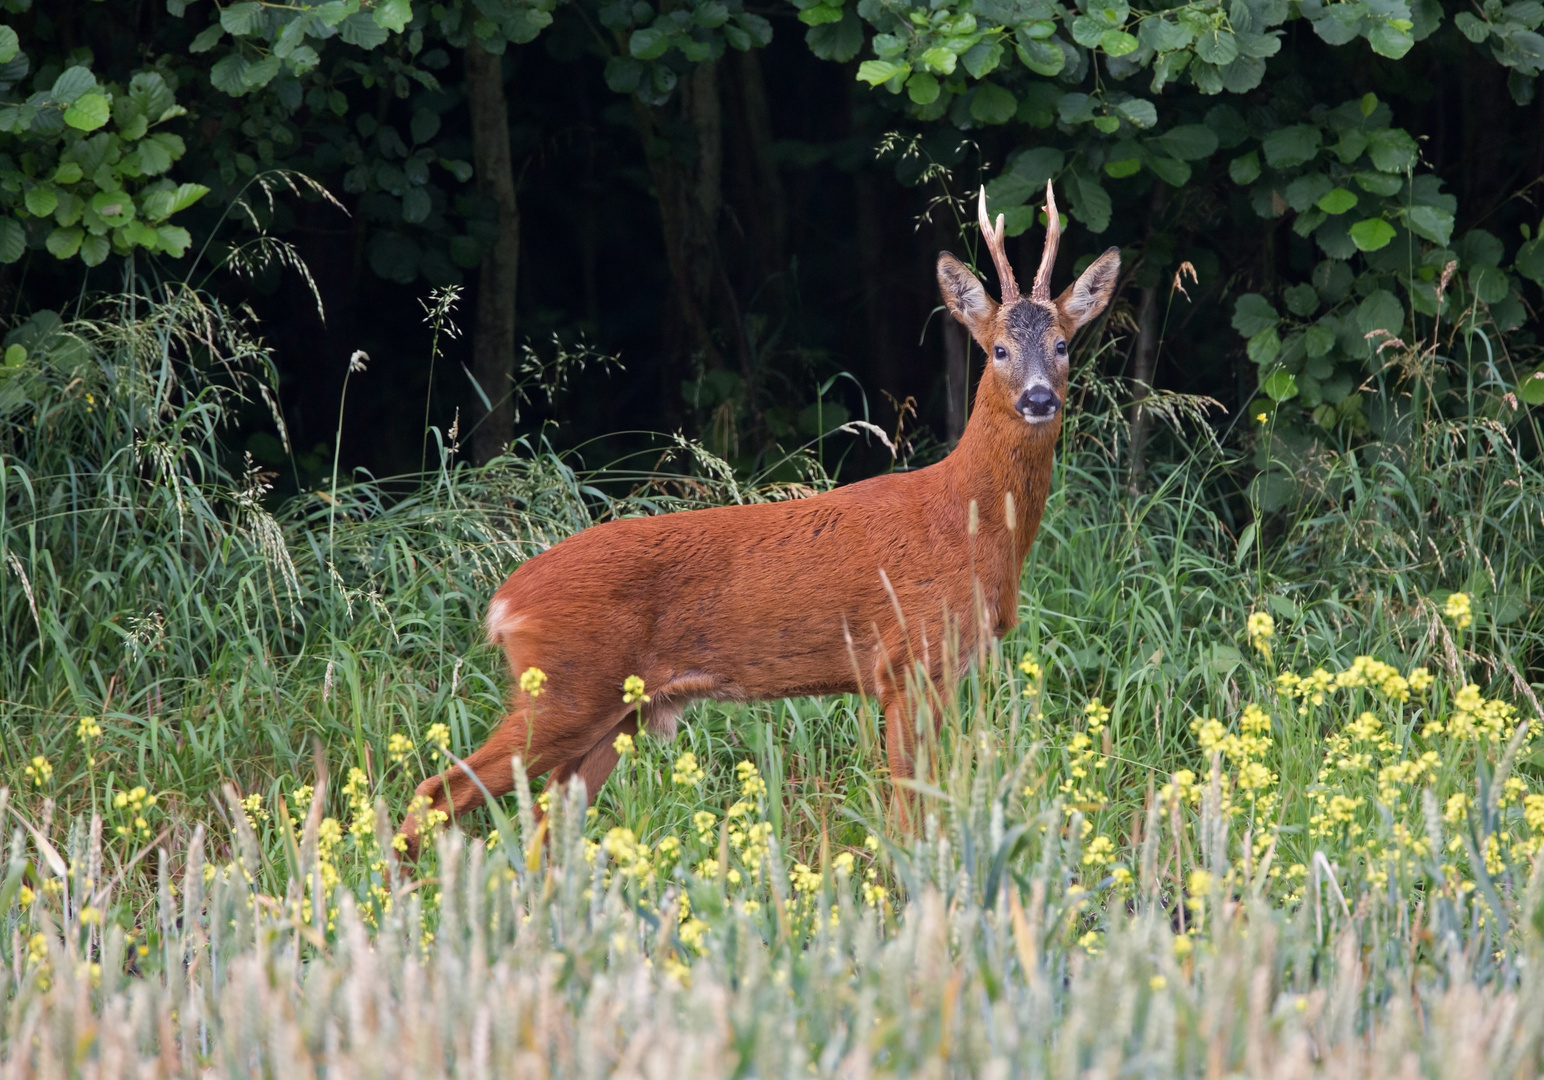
[(994, 244), (1042, 287)]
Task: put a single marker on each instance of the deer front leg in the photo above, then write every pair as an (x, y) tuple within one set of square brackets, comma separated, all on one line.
[(901, 720)]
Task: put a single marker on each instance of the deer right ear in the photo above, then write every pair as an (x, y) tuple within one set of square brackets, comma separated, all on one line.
[(965, 296)]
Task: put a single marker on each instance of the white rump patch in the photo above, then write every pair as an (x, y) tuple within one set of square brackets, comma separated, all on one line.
[(502, 619)]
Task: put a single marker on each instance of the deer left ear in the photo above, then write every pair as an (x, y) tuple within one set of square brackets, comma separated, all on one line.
[(1086, 297)]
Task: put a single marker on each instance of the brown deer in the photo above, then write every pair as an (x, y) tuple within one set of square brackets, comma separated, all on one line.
[(842, 592)]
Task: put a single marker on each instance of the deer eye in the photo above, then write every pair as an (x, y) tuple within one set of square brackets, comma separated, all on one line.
[(1000, 352), (1061, 348)]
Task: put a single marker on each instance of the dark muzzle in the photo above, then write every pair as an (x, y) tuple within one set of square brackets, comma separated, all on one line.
[(1037, 403)]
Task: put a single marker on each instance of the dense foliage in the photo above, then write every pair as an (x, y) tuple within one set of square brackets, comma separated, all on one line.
[(1339, 176)]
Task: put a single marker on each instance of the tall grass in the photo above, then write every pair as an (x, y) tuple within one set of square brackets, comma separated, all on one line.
[(1103, 882)]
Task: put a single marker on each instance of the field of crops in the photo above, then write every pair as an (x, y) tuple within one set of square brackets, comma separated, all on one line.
[(1261, 799)]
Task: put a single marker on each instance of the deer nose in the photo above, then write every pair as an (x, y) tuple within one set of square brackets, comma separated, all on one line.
[(1038, 403)]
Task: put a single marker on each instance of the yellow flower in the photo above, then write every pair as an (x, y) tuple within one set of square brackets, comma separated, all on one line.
[(1420, 680), (703, 821), (1261, 629), (1158, 982), (40, 771), (871, 842), (623, 744), (1098, 714), (687, 772), (438, 737), (1261, 417), (88, 729), (25, 896), (632, 690), (843, 863), (752, 786), (253, 805), (398, 747), (1200, 882), (1100, 850), (1457, 609), (532, 681)]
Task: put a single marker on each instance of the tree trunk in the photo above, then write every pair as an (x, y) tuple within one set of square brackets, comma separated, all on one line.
[(493, 338), (956, 375)]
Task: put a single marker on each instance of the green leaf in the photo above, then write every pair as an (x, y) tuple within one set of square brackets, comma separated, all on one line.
[(89, 112), (1190, 142), (1117, 43), (1141, 113), (425, 125), (1531, 389), (922, 88), (207, 38), (1173, 172), (1377, 183), (1290, 146), (1430, 222), (13, 244), (841, 41), (875, 72), (1388, 40), (1042, 57), (1302, 299), (359, 29), (94, 250), (1123, 167), (940, 59), (173, 239), (1265, 346), (72, 84), (415, 205), (1371, 234), (1379, 311), (1245, 169), (15, 355), (393, 15), (1280, 386), (240, 19), (1161, 35), (993, 105), (1218, 47), (1530, 259), (1252, 314), (820, 15), (1090, 202), (1318, 341), (229, 74), (64, 243), (1337, 201), (149, 94), (68, 172), (649, 43), (10, 44), (41, 200), (1489, 284), (1392, 150)]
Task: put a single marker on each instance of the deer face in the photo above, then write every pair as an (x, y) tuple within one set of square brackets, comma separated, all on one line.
[(1027, 338)]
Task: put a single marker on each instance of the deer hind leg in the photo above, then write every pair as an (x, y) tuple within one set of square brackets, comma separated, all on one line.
[(594, 766), (543, 736)]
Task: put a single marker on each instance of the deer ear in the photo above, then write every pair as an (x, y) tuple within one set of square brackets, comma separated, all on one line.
[(1086, 297), (964, 295)]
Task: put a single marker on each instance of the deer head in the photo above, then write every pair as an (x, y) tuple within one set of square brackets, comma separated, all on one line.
[(1026, 337)]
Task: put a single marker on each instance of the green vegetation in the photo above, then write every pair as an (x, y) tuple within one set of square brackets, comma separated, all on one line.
[(1229, 799)]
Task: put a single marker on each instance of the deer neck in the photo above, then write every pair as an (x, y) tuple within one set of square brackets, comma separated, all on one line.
[(999, 455)]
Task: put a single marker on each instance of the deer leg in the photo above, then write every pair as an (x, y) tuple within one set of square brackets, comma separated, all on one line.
[(900, 746), (542, 742), (595, 765)]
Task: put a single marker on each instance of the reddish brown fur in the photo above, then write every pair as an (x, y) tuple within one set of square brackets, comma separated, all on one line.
[(774, 600)]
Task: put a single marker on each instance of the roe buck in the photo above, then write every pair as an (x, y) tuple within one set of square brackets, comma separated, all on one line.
[(841, 592)]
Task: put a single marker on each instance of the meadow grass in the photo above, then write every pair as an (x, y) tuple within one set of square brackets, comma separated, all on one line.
[(1173, 825)]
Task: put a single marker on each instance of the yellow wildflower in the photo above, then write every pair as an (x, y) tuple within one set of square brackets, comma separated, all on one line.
[(533, 680), (88, 729), (632, 690), (398, 747), (687, 772), (1457, 608), (40, 771), (623, 744), (1261, 629)]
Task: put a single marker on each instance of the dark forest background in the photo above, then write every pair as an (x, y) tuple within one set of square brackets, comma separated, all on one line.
[(739, 246)]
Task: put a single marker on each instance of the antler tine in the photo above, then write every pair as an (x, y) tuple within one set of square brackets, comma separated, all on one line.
[(1042, 287), (994, 243)]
